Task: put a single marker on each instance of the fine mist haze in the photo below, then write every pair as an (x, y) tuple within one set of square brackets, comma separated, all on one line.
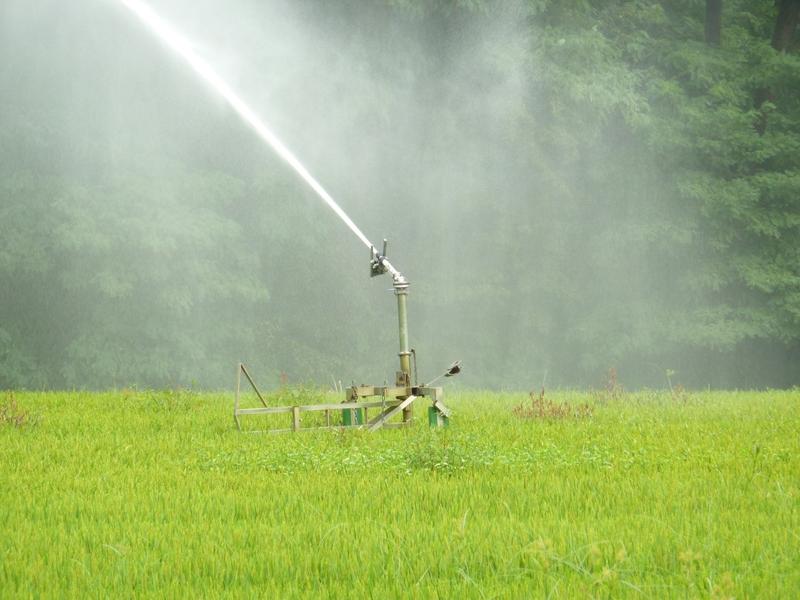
[(563, 197)]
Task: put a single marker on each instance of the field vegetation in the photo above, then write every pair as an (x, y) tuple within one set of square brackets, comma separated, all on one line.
[(648, 494)]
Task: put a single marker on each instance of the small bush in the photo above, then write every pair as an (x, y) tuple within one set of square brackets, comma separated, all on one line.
[(612, 389), (13, 415), (544, 408), (679, 394)]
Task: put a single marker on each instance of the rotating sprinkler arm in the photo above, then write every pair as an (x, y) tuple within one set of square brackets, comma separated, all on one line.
[(379, 264), (451, 371)]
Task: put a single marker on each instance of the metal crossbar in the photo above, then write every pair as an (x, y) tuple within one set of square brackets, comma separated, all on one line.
[(382, 418)]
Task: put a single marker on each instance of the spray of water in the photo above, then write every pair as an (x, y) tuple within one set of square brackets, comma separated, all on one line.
[(180, 45)]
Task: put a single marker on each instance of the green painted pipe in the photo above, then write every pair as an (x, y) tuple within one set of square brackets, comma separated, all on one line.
[(437, 419), (401, 291)]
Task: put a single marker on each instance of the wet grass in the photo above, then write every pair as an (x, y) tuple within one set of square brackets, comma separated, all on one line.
[(157, 494)]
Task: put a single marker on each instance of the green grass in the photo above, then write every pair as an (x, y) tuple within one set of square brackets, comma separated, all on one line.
[(156, 494)]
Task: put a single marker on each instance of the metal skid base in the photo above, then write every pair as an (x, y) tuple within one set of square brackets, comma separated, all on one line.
[(394, 400), (355, 411)]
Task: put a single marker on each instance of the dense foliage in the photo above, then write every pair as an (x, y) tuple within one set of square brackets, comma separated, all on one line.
[(571, 186)]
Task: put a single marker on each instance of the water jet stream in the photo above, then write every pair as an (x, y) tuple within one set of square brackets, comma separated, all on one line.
[(173, 39)]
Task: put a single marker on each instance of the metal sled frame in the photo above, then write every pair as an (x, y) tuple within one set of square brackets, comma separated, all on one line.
[(393, 401)]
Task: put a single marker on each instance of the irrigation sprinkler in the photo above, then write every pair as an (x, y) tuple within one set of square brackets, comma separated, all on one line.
[(397, 400), (393, 400)]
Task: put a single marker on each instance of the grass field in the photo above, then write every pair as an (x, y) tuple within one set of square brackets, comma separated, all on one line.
[(156, 494)]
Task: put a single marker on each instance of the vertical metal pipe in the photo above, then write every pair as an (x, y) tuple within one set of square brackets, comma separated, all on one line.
[(401, 291)]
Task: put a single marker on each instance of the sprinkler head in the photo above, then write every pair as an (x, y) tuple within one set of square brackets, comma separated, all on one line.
[(377, 262), (454, 369)]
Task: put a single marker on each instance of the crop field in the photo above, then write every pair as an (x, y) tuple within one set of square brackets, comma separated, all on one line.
[(651, 494)]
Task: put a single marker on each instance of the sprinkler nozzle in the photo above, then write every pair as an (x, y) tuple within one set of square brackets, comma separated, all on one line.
[(454, 369), (377, 261), (376, 266), (451, 371)]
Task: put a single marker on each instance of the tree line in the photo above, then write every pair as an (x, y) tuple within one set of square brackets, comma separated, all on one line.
[(570, 187)]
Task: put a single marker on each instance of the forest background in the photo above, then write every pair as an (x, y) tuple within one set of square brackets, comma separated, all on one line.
[(570, 186)]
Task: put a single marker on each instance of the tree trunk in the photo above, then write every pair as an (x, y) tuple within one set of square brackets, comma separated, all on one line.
[(785, 25), (713, 22)]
